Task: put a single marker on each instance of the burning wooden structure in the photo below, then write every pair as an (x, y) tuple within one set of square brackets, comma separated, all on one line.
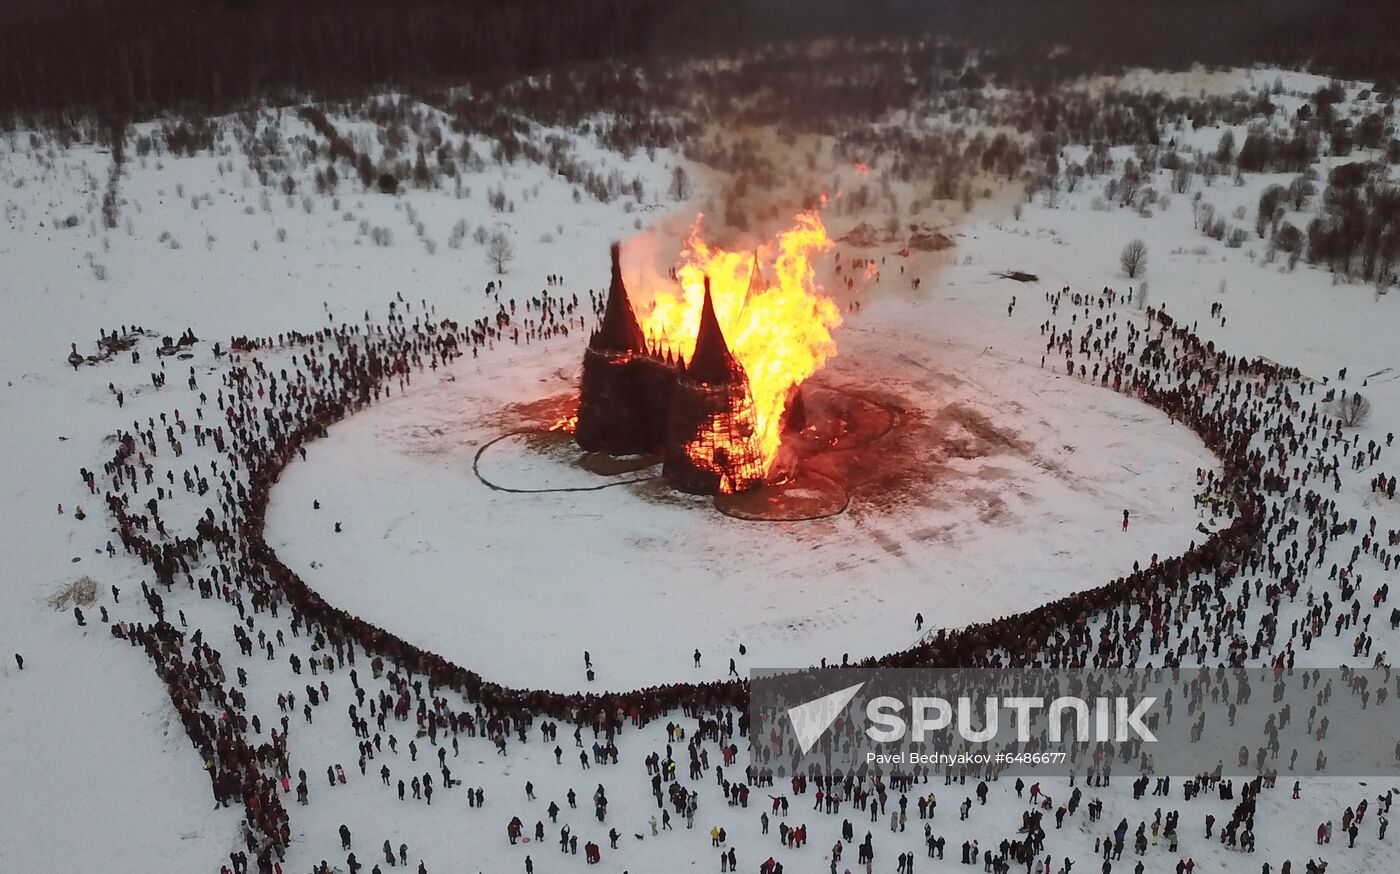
[(699, 416), (711, 434), (625, 391)]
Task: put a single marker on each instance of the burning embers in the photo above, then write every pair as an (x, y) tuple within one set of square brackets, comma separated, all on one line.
[(708, 379)]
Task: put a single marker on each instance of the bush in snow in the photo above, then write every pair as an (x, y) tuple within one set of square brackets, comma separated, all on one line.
[(1133, 258), (500, 251), (1351, 410), (459, 233)]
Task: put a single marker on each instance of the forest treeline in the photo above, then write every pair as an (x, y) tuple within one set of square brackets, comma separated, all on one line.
[(134, 58)]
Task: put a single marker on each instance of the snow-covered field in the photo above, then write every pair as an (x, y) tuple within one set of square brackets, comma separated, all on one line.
[(520, 585), (96, 772)]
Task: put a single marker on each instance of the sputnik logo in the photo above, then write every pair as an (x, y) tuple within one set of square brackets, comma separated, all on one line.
[(811, 720)]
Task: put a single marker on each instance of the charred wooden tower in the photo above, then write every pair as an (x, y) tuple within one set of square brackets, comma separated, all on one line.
[(700, 416), (625, 392), (711, 441)]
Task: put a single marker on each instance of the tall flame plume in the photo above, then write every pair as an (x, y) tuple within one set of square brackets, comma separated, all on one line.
[(774, 315)]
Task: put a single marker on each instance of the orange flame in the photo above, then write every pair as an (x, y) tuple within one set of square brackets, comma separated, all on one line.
[(775, 317)]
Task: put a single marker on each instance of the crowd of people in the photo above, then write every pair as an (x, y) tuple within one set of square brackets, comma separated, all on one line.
[(1220, 602)]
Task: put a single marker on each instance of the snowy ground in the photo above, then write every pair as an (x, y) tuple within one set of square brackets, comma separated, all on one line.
[(520, 585), (98, 777)]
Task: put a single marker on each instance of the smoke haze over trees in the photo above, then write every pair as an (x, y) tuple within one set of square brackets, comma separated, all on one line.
[(130, 58)]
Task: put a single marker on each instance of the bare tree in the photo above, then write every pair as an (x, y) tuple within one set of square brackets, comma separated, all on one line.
[(1133, 258), (1181, 179), (1300, 190), (1269, 202), (500, 250), (680, 183), (1074, 173), (1225, 149), (1351, 410), (1129, 184)]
